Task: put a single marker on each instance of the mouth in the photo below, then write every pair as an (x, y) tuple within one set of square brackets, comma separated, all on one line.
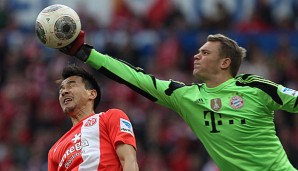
[(67, 100), (196, 65)]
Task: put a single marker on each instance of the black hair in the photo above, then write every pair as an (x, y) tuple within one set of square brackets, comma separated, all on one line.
[(89, 81)]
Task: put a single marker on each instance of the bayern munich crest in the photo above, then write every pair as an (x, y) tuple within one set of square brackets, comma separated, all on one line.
[(236, 102)]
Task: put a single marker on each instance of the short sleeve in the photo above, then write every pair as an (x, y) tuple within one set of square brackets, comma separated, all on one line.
[(120, 128), (52, 166)]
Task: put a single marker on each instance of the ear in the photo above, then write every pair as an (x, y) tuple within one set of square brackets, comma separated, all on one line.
[(225, 63), (93, 94)]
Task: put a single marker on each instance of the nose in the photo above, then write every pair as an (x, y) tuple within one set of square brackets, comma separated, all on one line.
[(197, 56), (64, 92)]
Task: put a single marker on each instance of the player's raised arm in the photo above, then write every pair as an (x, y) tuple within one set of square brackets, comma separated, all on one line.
[(156, 90)]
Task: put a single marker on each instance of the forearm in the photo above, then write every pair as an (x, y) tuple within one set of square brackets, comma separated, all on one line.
[(135, 78), (131, 165), (127, 157), (124, 73)]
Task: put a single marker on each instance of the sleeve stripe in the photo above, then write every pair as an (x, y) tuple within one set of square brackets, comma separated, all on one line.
[(258, 79), (267, 86)]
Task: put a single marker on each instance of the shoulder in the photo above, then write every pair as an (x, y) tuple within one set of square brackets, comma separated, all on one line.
[(261, 84), (253, 80), (114, 118), (113, 113)]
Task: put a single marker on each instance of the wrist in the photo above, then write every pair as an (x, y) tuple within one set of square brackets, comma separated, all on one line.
[(84, 52)]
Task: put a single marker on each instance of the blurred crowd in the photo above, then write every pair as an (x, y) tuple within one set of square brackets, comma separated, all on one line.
[(161, 39)]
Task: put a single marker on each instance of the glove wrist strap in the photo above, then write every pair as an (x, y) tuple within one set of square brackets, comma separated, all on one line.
[(84, 52)]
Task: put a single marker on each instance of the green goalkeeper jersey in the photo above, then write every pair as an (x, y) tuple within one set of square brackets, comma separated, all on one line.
[(234, 121)]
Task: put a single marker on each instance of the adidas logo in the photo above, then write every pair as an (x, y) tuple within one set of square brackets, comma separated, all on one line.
[(199, 101)]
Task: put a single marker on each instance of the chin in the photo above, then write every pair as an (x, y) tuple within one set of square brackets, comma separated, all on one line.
[(68, 110), (195, 73)]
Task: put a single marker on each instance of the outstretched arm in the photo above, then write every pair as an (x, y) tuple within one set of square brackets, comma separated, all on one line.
[(127, 157), (160, 91)]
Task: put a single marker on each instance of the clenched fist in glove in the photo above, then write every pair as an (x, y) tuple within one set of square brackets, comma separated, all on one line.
[(78, 48)]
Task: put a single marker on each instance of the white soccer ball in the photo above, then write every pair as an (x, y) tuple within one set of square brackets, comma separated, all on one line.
[(57, 26)]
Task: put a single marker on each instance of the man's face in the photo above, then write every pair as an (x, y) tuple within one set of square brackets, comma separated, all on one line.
[(207, 61), (73, 96)]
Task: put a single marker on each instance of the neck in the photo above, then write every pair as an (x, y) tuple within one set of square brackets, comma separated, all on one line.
[(216, 81), (80, 114)]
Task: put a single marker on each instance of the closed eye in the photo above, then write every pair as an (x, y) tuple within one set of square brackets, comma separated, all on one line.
[(67, 85)]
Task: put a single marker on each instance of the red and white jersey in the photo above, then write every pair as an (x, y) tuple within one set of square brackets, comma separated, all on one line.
[(90, 145)]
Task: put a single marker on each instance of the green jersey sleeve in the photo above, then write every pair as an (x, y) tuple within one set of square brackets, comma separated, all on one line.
[(159, 91), (289, 98), (274, 96)]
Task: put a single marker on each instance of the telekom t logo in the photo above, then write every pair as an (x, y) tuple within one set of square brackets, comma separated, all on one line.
[(216, 120)]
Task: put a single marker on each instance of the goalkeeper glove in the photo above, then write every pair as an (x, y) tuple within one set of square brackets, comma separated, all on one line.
[(78, 48)]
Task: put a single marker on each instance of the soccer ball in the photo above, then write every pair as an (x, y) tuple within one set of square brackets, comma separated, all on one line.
[(57, 26)]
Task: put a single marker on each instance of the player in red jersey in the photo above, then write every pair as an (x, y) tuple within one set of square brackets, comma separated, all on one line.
[(96, 142)]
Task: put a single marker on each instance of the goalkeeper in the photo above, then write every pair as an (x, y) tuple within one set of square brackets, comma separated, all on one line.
[(232, 115)]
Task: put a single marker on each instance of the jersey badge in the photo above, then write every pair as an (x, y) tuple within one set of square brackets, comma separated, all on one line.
[(236, 102), (90, 122), (216, 104), (125, 126), (289, 91)]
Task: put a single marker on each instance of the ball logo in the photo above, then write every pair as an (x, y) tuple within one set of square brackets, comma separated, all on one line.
[(65, 28), (236, 102), (90, 122)]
